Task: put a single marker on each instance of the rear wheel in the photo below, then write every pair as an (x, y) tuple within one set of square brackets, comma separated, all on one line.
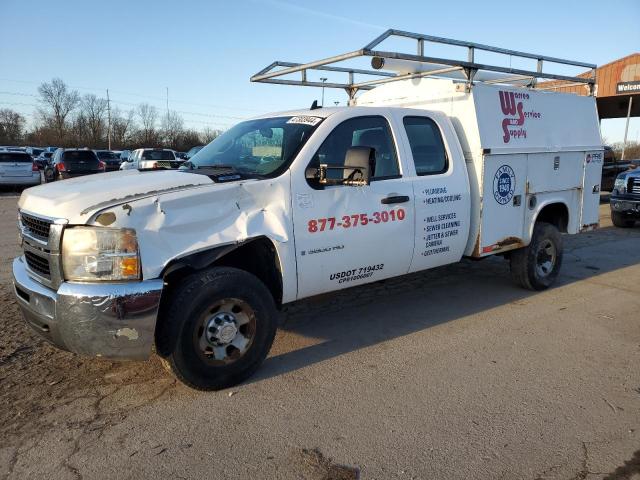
[(619, 220), (219, 329), (536, 266)]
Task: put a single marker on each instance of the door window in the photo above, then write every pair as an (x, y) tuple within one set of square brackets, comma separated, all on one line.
[(373, 132), (427, 147)]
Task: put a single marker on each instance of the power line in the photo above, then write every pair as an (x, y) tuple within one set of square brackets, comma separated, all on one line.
[(120, 102), (152, 97)]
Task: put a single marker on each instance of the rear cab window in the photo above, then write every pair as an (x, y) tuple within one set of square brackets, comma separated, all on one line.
[(427, 146), (158, 155)]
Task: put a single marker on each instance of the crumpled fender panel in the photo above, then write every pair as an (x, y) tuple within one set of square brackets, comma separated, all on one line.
[(176, 224)]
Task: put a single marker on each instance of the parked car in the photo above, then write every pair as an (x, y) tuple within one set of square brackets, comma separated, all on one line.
[(124, 155), (34, 151), (193, 150), (74, 162), (152, 159), (611, 168), (111, 159), (625, 199), (18, 168), (43, 160), (181, 155)]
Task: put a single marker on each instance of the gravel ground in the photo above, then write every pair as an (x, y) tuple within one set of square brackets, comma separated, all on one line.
[(451, 373)]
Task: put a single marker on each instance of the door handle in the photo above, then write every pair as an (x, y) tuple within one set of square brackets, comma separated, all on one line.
[(395, 199)]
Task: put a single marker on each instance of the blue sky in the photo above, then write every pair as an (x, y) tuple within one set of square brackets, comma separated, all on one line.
[(205, 51)]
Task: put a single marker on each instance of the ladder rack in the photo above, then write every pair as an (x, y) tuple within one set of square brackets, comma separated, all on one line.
[(418, 65)]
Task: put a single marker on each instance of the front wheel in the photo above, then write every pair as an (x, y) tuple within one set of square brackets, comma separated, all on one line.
[(619, 220), (219, 328), (536, 266)]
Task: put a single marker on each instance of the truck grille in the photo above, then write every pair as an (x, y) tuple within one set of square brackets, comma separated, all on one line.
[(35, 226), (38, 264), (634, 185)]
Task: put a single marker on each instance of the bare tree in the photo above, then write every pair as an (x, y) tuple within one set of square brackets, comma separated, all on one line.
[(148, 117), (121, 127), (11, 126), (57, 101), (93, 110), (209, 134), (172, 128)]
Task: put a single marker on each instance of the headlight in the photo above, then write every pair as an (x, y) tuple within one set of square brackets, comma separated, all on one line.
[(620, 185), (97, 253)]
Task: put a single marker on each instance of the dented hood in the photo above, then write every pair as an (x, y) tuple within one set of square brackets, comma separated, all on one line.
[(76, 199)]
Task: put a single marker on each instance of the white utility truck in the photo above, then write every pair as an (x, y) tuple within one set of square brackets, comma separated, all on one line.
[(432, 161)]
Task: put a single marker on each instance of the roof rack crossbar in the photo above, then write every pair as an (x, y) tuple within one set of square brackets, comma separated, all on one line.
[(476, 46), (274, 72)]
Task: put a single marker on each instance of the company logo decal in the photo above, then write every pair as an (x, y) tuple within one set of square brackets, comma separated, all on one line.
[(504, 184), (596, 158), (513, 107)]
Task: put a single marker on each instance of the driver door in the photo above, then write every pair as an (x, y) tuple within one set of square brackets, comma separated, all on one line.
[(351, 235)]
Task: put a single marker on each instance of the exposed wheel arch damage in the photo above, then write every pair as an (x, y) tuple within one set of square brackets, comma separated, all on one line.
[(257, 256)]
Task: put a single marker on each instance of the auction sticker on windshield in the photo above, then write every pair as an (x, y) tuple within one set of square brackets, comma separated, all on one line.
[(305, 120)]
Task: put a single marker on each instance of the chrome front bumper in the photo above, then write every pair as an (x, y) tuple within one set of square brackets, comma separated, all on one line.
[(111, 320)]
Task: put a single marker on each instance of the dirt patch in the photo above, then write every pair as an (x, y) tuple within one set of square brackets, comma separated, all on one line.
[(42, 387), (313, 465)]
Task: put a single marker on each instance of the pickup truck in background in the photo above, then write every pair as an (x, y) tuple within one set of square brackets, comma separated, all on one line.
[(611, 168), (414, 174), (625, 199)]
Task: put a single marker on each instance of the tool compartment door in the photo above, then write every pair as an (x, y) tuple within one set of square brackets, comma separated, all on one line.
[(590, 211), (503, 203)]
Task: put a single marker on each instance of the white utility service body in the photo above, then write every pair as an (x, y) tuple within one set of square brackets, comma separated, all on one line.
[(550, 143), (446, 170)]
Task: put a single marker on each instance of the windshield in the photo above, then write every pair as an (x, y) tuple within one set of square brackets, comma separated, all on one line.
[(258, 147), (158, 155)]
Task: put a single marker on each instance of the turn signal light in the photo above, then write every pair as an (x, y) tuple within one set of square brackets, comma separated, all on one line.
[(60, 167), (129, 266)]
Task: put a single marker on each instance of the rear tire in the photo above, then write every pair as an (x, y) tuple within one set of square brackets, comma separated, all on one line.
[(219, 328), (619, 220), (536, 266)]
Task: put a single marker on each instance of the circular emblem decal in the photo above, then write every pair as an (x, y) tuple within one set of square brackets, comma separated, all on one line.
[(504, 184)]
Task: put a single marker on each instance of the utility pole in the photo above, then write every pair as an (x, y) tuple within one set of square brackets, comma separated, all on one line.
[(108, 120), (626, 127), (323, 79)]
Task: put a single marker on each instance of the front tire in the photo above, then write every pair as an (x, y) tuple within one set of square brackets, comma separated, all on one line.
[(219, 328), (619, 220), (536, 266)]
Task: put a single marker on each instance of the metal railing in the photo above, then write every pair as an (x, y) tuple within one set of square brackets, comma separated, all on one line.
[(423, 66)]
